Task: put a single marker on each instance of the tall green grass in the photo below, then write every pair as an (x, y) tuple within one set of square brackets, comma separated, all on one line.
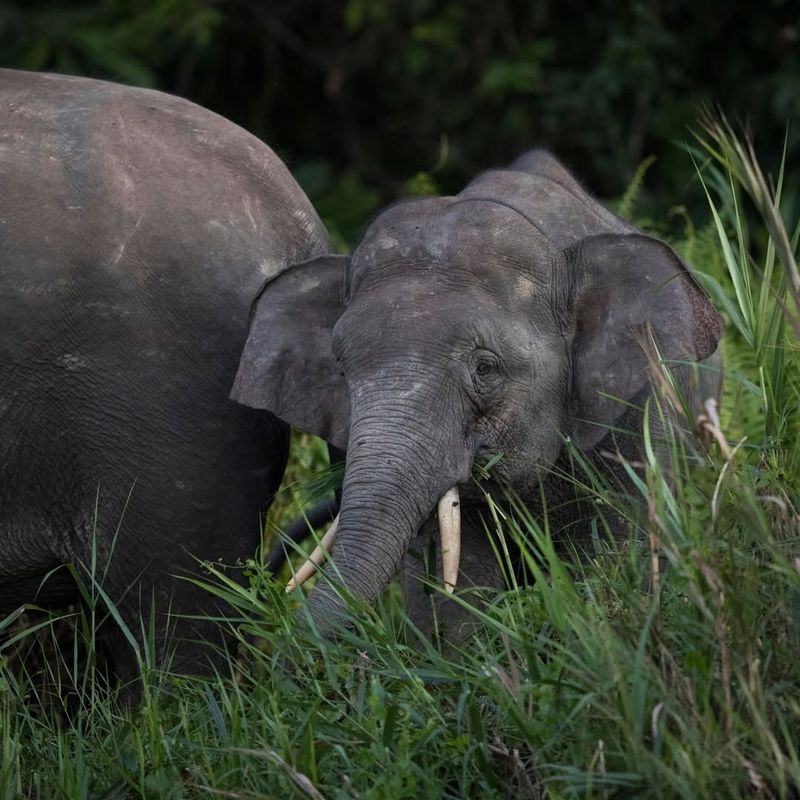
[(579, 683)]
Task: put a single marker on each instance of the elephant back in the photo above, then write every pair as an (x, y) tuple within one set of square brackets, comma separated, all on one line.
[(540, 188)]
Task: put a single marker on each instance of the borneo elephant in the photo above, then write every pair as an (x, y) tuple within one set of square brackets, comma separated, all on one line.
[(498, 321), (135, 230)]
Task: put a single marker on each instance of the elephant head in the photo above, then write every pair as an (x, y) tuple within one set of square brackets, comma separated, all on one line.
[(493, 322)]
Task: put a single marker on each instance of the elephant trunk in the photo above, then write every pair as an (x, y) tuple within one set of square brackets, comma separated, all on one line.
[(397, 471)]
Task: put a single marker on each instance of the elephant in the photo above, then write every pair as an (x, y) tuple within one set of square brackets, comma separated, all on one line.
[(502, 321), (135, 230)]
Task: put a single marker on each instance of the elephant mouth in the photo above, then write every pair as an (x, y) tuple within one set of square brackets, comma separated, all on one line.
[(449, 515)]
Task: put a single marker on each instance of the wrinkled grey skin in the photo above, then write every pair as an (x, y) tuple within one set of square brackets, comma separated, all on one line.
[(496, 321), (135, 230)]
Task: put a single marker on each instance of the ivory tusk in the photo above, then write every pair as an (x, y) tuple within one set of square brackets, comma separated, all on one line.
[(309, 567), (450, 536)]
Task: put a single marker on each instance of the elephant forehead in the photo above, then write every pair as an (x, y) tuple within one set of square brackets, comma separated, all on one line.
[(468, 240), (429, 317), (397, 302)]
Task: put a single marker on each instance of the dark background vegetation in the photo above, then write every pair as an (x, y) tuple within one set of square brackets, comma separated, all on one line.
[(369, 100)]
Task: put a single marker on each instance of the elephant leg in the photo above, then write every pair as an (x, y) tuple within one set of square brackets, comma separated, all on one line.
[(31, 570), (480, 577), (201, 502)]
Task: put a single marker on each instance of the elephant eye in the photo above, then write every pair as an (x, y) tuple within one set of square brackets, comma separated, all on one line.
[(485, 371)]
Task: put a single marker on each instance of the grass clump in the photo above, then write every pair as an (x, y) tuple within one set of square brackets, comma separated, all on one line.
[(579, 683)]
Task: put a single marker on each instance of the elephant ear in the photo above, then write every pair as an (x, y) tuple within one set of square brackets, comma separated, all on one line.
[(625, 283), (288, 366)]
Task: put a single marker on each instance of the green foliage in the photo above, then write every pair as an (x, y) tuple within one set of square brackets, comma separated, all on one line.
[(104, 38), (521, 75), (761, 293), (421, 185), (625, 207), (307, 480)]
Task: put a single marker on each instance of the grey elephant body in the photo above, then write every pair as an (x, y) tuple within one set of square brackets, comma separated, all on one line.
[(135, 229), (498, 321)]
